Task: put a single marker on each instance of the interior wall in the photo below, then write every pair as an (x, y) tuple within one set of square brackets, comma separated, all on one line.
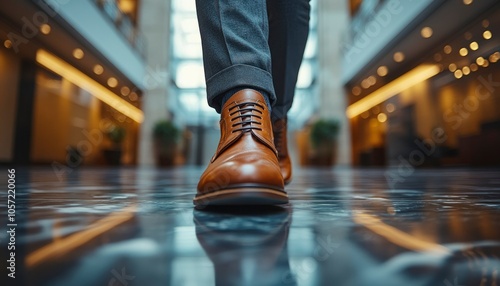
[(50, 124), (9, 78)]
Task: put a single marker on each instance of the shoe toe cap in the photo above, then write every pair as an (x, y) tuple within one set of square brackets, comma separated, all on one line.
[(232, 173)]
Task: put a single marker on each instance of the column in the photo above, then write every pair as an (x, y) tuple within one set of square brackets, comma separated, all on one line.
[(333, 20), (154, 23)]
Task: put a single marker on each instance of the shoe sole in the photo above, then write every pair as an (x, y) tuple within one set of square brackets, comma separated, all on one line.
[(242, 196)]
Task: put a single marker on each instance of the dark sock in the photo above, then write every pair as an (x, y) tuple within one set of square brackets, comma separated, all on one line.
[(278, 113), (231, 92)]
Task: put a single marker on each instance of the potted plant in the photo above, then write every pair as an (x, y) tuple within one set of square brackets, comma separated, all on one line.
[(323, 137), (165, 136), (113, 155)]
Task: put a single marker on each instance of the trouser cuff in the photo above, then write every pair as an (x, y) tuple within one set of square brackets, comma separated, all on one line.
[(240, 75)]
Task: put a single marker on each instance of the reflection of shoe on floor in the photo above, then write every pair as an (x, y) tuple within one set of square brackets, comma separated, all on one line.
[(245, 168), (247, 246), (280, 141)]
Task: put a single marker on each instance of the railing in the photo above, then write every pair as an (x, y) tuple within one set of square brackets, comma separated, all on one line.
[(123, 24)]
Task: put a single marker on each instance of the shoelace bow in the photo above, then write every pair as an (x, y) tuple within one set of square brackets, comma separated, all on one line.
[(246, 113)]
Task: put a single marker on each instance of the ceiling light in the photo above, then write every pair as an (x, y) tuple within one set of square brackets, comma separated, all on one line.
[(438, 57), (426, 32), (112, 82), (356, 90), (7, 44), (83, 81), (463, 52), (78, 53), (98, 69), (474, 46), (447, 49), (125, 91), (486, 23), (486, 63), (494, 57), (468, 2), (466, 70), (381, 117), (133, 96), (390, 107), (382, 71), (127, 6), (487, 35), (458, 74), (372, 80), (452, 67), (480, 61), (45, 29), (399, 57), (409, 79), (473, 67), (365, 84)]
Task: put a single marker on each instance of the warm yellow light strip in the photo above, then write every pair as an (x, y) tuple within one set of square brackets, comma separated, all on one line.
[(80, 79), (397, 236), (409, 79)]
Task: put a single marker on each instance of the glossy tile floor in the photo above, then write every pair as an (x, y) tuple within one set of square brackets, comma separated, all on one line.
[(342, 227)]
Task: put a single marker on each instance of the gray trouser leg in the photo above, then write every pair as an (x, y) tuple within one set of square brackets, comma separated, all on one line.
[(288, 32), (239, 41)]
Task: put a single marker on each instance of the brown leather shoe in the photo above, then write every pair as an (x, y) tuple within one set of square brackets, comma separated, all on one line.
[(280, 141), (245, 168)]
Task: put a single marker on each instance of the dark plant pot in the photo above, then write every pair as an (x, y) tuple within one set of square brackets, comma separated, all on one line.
[(165, 160), (325, 155), (113, 157), (165, 153), (74, 156)]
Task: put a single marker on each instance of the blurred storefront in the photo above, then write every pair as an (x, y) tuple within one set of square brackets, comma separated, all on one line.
[(71, 75), (423, 80)]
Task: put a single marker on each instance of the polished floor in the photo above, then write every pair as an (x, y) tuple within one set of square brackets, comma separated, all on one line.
[(342, 227)]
